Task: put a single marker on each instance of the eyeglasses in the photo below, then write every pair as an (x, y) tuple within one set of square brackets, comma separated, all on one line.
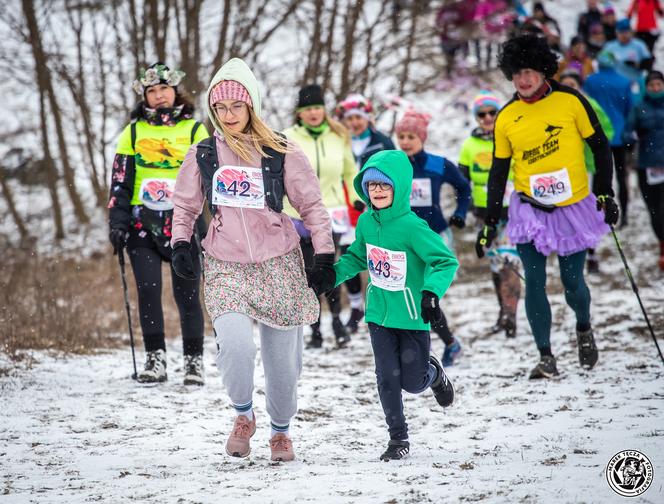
[(235, 109), (482, 115), (384, 186)]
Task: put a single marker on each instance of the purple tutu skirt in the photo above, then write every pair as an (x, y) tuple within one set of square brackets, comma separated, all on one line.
[(565, 231)]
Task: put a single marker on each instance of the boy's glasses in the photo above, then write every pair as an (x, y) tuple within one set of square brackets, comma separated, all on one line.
[(482, 115), (372, 186), (234, 109)]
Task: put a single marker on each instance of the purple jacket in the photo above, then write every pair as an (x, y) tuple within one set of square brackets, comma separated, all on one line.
[(252, 235)]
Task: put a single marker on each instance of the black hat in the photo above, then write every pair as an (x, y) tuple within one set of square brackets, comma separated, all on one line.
[(654, 75), (309, 96), (527, 51)]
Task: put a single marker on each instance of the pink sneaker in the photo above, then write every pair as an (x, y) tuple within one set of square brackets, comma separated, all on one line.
[(282, 448), (238, 442)]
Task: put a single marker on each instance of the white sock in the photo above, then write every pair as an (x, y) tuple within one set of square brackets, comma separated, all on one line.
[(278, 429), (245, 410)]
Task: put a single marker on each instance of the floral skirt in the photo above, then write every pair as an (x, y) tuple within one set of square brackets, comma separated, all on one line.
[(273, 292)]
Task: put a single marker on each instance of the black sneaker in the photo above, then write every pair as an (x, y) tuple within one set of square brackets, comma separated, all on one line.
[(546, 368), (396, 450), (587, 348), (498, 326), (316, 340), (442, 387), (356, 316), (155, 368), (509, 325), (193, 370), (340, 332)]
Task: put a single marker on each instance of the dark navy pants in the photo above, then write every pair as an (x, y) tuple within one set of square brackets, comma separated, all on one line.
[(402, 363)]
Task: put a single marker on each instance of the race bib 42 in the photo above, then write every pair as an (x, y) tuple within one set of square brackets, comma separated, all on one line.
[(238, 186)]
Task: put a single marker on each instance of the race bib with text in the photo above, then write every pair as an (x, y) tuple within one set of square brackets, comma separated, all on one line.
[(340, 219), (420, 195), (157, 193), (551, 188), (387, 268), (238, 186)]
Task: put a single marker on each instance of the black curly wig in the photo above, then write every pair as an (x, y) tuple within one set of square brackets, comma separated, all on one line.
[(527, 51)]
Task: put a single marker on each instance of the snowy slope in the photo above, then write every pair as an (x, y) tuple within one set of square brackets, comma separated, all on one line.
[(76, 429)]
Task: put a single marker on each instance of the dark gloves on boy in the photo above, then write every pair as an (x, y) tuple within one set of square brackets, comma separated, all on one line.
[(611, 212), (431, 311), (183, 264), (457, 221), (484, 239), (322, 276), (359, 205)]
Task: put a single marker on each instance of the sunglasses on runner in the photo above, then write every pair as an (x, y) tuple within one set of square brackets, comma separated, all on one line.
[(482, 115)]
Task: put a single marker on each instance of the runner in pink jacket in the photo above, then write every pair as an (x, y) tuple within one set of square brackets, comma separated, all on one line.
[(254, 270)]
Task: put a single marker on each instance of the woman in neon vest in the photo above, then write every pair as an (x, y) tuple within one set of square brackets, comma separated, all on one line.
[(430, 172), (474, 162), (327, 145), (254, 269), (147, 159), (543, 129)]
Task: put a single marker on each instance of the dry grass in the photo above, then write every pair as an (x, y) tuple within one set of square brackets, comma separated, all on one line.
[(69, 305)]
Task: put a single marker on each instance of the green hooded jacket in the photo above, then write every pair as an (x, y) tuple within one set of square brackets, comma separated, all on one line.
[(429, 264)]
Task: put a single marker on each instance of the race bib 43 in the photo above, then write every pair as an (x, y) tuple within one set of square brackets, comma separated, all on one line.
[(387, 268)]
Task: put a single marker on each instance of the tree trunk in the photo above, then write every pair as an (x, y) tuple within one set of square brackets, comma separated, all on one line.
[(349, 46), (329, 46), (6, 190), (51, 173), (46, 86)]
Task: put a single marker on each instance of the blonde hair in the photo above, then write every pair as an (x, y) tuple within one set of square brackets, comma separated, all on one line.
[(336, 126), (257, 134)]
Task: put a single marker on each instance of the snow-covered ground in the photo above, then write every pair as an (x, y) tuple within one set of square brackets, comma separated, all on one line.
[(78, 429)]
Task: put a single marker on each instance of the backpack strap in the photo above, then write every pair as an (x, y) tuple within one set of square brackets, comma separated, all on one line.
[(273, 177), (435, 164), (206, 159), (194, 129), (133, 135)]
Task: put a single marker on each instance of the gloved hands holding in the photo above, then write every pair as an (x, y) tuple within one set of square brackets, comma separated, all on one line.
[(181, 260), (431, 311), (118, 238), (322, 276), (457, 221), (611, 212), (484, 239)]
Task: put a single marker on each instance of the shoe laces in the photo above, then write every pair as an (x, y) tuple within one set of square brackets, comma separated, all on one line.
[(281, 444), (193, 364), (586, 339), (242, 430)]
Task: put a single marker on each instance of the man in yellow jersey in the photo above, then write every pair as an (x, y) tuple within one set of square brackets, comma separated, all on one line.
[(543, 128)]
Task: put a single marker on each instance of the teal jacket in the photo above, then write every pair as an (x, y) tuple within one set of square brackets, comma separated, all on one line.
[(430, 265)]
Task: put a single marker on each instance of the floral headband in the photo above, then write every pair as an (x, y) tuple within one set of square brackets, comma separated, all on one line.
[(156, 74), (356, 103)]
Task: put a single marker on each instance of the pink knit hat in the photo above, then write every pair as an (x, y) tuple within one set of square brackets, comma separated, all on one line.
[(414, 122), (230, 90)]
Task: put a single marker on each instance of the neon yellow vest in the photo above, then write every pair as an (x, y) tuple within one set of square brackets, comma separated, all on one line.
[(477, 155), (159, 151)]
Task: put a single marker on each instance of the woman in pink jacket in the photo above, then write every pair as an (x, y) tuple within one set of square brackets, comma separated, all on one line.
[(254, 271)]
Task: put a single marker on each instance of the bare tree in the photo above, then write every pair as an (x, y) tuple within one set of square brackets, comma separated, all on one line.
[(46, 87)]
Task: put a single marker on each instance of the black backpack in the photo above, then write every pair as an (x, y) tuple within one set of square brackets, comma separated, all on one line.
[(273, 173)]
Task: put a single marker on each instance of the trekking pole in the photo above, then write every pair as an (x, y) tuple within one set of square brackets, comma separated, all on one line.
[(636, 290), (121, 260), (508, 264)]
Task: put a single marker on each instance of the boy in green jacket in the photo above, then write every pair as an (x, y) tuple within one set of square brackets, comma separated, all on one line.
[(410, 268)]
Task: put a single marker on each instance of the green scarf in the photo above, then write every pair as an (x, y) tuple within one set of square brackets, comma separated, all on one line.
[(316, 131)]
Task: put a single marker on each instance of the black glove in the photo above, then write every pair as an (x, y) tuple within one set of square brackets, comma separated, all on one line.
[(183, 264), (484, 238), (118, 238), (457, 221), (359, 205), (431, 311), (611, 212), (322, 276)]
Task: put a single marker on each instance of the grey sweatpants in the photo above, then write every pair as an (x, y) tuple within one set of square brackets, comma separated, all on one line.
[(281, 351)]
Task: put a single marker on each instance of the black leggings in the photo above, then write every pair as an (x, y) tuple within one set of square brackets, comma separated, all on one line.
[(653, 195), (146, 260)]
